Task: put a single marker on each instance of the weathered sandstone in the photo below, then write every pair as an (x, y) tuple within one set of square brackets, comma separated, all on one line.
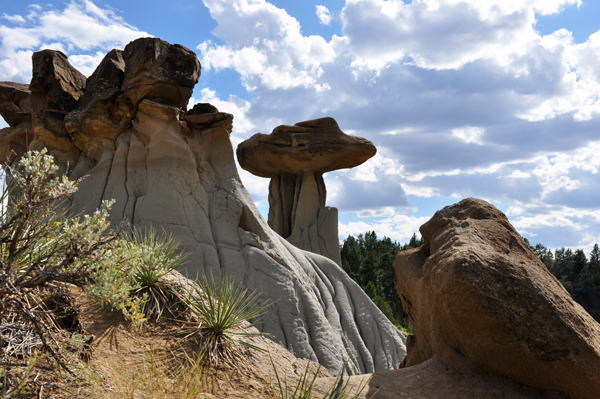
[(481, 302), (295, 158), (55, 86), (175, 171), (16, 110), (15, 107)]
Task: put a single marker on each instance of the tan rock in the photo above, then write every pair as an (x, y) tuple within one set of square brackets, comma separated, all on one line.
[(14, 142), (482, 302), (102, 113), (14, 103), (55, 88), (147, 68), (16, 110), (295, 158), (156, 69), (316, 146), (202, 108), (55, 77), (200, 121)]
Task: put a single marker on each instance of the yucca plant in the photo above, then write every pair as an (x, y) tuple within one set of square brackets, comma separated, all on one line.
[(155, 257), (219, 312)]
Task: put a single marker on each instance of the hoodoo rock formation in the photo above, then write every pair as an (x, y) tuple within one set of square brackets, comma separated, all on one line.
[(126, 129), (295, 158), (482, 302)]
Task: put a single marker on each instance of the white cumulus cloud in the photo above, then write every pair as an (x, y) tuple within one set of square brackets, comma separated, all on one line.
[(324, 15), (82, 30), (461, 97)]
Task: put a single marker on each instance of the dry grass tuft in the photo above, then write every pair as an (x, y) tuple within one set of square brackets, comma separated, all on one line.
[(173, 376)]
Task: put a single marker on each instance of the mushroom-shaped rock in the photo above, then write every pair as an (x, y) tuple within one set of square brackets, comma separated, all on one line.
[(481, 301), (295, 158), (316, 146)]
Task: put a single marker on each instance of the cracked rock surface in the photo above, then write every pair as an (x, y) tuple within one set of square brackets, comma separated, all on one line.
[(128, 132)]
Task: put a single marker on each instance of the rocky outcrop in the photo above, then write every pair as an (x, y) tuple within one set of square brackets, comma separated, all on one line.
[(55, 86), (481, 302), (15, 108), (176, 171), (146, 69), (295, 158)]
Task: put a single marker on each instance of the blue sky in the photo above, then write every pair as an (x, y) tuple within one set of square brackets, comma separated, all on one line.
[(497, 100)]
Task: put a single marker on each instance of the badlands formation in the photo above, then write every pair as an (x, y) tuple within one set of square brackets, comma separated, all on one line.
[(127, 129), (295, 158), (490, 320)]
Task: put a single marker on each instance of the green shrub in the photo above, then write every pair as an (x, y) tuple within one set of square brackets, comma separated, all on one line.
[(154, 257), (42, 249)]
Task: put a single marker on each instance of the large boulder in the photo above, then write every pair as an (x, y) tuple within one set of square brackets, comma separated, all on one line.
[(159, 70), (176, 171), (482, 302), (295, 158)]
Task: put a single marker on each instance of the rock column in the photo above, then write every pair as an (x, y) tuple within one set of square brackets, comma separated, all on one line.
[(298, 213)]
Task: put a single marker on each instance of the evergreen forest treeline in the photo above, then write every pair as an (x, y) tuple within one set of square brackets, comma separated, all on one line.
[(579, 274), (369, 261)]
